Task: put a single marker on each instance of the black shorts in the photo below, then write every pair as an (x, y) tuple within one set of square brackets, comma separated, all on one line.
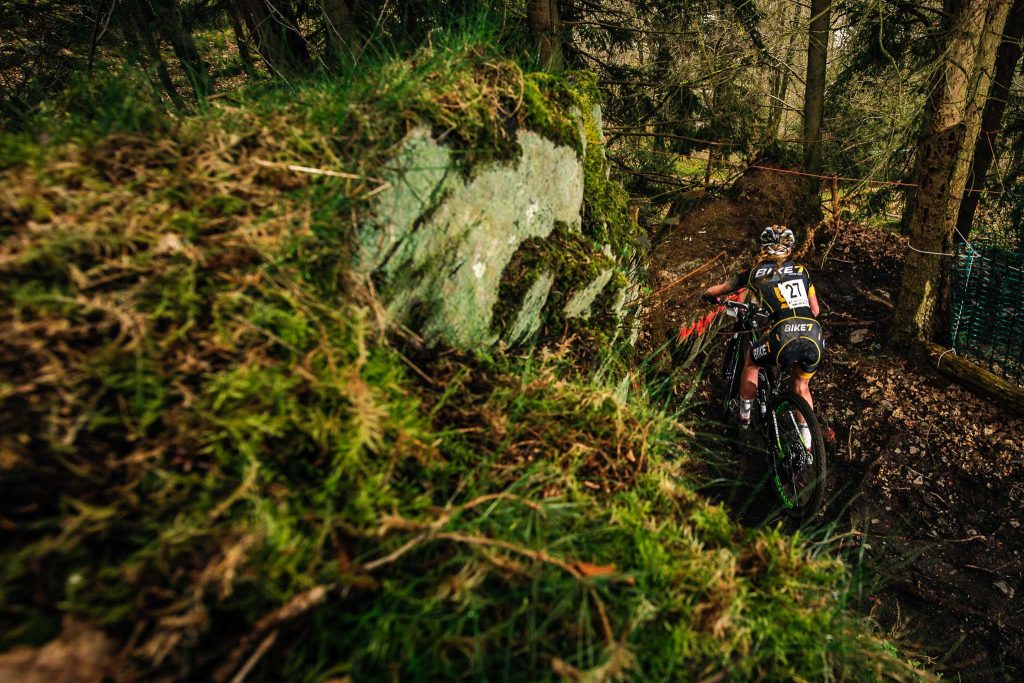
[(791, 341)]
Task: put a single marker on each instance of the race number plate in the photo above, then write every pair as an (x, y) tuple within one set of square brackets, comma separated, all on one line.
[(794, 293)]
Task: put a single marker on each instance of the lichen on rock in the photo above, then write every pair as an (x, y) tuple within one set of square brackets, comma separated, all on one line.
[(530, 317), (580, 304), (417, 177), (439, 244)]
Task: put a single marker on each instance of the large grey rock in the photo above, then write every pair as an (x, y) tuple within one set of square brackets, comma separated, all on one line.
[(595, 114), (580, 303), (530, 316), (440, 243), (419, 175)]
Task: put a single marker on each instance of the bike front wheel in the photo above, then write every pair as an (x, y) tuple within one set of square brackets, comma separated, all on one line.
[(729, 381), (798, 473)]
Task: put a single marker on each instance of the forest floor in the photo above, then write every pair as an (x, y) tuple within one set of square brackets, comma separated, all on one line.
[(926, 478)]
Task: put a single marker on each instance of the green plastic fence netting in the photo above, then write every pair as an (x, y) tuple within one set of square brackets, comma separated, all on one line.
[(987, 321)]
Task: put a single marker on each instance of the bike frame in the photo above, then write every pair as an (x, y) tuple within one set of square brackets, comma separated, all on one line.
[(743, 331)]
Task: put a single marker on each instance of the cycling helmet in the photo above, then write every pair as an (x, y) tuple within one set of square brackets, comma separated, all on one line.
[(777, 240)]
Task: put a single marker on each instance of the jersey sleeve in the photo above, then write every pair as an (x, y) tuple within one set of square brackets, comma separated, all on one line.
[(807, 280)]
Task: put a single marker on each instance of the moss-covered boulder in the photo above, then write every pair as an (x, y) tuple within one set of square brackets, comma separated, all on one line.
[(442, 241)]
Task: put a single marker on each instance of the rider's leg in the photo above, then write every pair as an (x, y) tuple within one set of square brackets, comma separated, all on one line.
[(802, 385), (748, 388), (802, 388), (748, 380)]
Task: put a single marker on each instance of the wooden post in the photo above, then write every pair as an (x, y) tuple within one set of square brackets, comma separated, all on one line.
[(707, 168)]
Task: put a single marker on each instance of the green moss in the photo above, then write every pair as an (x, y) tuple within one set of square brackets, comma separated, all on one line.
[(527, 264), (36, 208), (220, 205), (564, 103), (549, 101), (605, 308), (97, 104), (569, 256), (606, 204), (713, 523), (185, 223), (558, 105), (17, 149)]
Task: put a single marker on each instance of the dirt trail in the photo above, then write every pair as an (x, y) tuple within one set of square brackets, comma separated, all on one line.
[(927, 477)]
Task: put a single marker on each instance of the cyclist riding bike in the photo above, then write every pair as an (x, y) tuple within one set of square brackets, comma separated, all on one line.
[(793, 337)]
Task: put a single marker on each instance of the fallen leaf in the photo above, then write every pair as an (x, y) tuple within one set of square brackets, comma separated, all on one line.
[(589, 569), (169, 244)]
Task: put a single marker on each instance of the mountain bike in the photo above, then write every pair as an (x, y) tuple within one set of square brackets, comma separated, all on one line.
[(798, 474)]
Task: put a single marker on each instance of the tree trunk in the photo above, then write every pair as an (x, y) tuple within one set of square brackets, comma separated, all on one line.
[(984, 149), (910, 195), (339, 26), (940, 36), (137, 29), (814, 96), (241, 42), (780, 80), (275, 35), (954, 118), (172, 28), (542, 16), (780, 90), (708, 168), (960, 369)]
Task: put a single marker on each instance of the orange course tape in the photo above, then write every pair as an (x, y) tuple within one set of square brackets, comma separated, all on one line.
[(700, 326)]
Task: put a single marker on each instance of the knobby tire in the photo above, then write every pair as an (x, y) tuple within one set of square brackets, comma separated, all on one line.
[(800, 490)]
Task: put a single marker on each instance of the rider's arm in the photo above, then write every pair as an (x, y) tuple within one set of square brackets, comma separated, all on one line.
[(730, 285), (812, 299), (720, 289)]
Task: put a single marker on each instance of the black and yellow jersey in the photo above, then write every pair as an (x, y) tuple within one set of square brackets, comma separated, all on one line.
[(794, 336), (784, 289)]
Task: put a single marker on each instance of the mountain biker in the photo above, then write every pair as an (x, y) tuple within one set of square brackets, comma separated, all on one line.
[(794, 337)]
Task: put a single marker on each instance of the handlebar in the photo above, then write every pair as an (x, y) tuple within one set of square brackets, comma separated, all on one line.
[(751, 307), (747, 314)]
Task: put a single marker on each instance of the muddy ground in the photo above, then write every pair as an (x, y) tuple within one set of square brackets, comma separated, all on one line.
[(926, 478)]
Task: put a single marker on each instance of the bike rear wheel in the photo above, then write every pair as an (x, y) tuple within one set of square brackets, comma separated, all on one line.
[(798, 474)]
